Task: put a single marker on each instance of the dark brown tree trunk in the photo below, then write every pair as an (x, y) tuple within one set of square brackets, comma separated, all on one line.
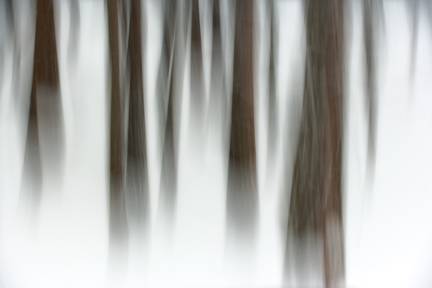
[(46, 87), (197, 77), (117, 209), (316, 196), (137, 172), (242, 185)]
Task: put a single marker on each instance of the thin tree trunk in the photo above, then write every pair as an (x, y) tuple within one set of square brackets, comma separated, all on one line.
[(172, 33), (74, 29), (217, 107), (272, 137), (413, 7), (45, 81), (165, 66), (197, 77), (242, 184), (369, 26), (137, 172), (316, 196), (117, 212)]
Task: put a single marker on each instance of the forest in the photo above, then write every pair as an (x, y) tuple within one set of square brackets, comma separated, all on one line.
[(215, 143)]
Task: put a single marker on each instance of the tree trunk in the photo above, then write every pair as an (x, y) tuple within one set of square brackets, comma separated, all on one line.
[(242, 190), (316, 196), (171, 38), (273, 135), (137, 172), (117, 213), (74, 30), (370, 8), (197, 77), (45, 87)]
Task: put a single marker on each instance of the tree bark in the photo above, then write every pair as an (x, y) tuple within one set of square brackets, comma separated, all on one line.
[(242, 185), (137, 171), (197, 77), (117, 212), (316, 196), (45, 76)]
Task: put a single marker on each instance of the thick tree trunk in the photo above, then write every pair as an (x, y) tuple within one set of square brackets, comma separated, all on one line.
[(316, 196), (45, 87), (242, 185)]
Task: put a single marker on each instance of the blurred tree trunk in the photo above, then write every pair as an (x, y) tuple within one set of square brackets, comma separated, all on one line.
[(273, 135), (413, 7), (370, 21), (74, 30), (137, 171), (242, 185), (217, 109), (197, 77), (45, 83), (171, 40), (117, 208), (316, 196), (166, 64)]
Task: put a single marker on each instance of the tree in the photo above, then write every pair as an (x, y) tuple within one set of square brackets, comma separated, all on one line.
[(272, 86), (316, 196), (45, 87), (8, 23), (137, 171), (128, 152), (218, 106), (74, 29), (197, 83), (117, 207), (173, 47), (242, 185), (371, 16)]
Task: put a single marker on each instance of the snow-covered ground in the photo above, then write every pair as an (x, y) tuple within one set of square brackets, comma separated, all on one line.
[(387, 213)]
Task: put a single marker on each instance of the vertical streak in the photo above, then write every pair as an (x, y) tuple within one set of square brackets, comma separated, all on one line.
[(197, 85), (316, 196), (218, 99), (413, 7), (369, 21), (272, 100), (242, 191), (45, 74), (118, 222), (137, 170), (74, 29), (168, 194)]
